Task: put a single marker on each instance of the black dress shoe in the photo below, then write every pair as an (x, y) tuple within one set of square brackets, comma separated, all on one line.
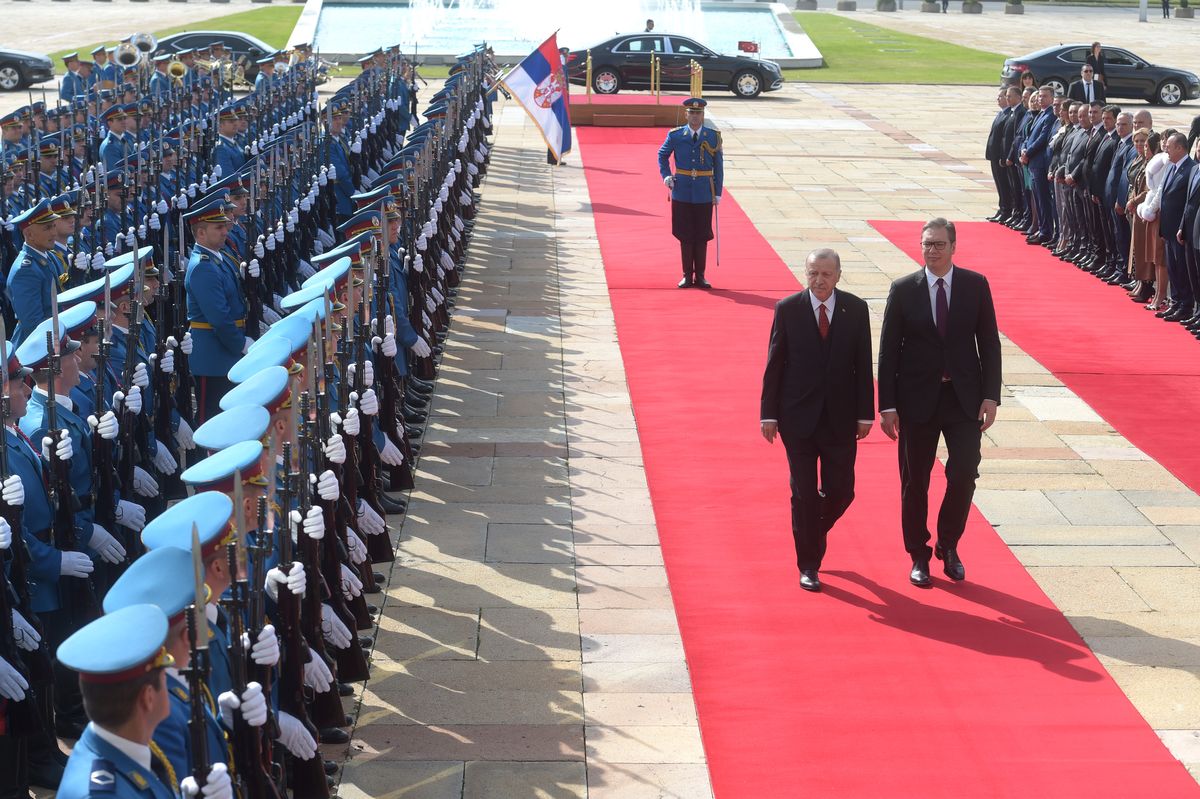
[(685, 283), (1165, 312), (701, 283), (1178, 315), (919, 576), (333, 735), (392, 505), (345, 689), (951, 565), (809, 580), (366, 641), (330, 768)]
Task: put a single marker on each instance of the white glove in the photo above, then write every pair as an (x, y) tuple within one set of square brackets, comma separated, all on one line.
[(155, 224), (669, 181), (131, 515), (355, 547), (370, 522), (141, 378), (258, 248), (387, 345), (269, 315), (246, 345), (217, 786), (252, 704), (109, 249), (75, 564), (265, 651), (108, 548), (421, 348), (164, 461), (351, 424), (313, 524), (252, 268), (335, 632), (335, 449), (83, 261), (98, 261), (5, 534), (12, 491), (390, 454), (369, 403), (141, 233), (317, 675), (351, 585), (186, 344), (106, 425), (12, 685), (295, 581), (327, 485), (167, 363), (183, 436), (131, 402), (368, 373), (63, 449), (143, 483), (23, 633), (295, 738)]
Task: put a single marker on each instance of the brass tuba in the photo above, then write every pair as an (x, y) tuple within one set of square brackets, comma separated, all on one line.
[(144, 42), (127, 55)]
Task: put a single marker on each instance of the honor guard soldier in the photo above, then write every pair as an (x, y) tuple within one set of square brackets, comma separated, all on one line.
[(122, 659), (115, 145), (216, 305), (695, 188), (227, 153), (34, 273)]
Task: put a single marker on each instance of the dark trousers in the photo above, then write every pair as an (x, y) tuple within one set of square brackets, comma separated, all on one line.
[(917, 452), (57, 626), (694, 254), (14, 767), (1191, 260), (209, 391), (814, 512), (1043, 203), (1177, 273), (1001, 183), (1123, 235)]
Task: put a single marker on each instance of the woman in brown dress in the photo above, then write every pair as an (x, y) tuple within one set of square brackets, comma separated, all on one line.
[(1147, 251)]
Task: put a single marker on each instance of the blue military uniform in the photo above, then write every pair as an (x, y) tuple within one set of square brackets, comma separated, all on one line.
[(121, 646), (228, 155), (698, 181), (32, 276)]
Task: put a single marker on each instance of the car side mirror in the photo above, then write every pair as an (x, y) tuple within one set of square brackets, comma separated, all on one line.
[(1140, 65)]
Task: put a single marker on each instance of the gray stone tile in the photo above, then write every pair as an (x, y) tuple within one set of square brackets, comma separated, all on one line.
[(1017, 507), (1095, 507), (499, 780)]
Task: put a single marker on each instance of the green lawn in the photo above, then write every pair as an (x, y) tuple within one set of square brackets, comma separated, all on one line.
[(273, 25), (856, 52)]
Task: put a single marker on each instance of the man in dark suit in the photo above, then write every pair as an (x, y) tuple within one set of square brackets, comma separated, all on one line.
[(1170, 215), (1116, 191), (818, 396), (1097, 178), (1188, 237), (1036, 155), (995, 157), (1087, 90), (1012, 125), (939, 376)]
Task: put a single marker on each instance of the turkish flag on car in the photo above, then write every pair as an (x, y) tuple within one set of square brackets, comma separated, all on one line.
[(748, 47)]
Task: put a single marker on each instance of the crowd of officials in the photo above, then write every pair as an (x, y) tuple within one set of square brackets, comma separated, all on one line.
[(223, 319), (1102, 188)]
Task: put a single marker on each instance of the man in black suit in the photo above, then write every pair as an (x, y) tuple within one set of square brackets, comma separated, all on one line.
[(1087, 90), (939, 376), (1170, 215), (995, 157), (1189, 237), (1016, 188), (819, 397)]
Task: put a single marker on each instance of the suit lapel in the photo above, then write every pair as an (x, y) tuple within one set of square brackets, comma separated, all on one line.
[(958, 297), (926, 311)]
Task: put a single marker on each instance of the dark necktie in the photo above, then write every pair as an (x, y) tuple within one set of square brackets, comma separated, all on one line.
[(695, 136), (822, 322), (943, 307), (1088, 87)]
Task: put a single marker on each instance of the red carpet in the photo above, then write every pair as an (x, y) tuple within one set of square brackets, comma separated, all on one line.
[(1139, 373), (580, 97), (872, 689)]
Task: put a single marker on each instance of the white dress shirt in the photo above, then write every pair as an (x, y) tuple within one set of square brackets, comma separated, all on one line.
[(932, 279)]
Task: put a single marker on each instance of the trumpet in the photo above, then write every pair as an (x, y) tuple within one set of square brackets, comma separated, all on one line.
[(177, 70)]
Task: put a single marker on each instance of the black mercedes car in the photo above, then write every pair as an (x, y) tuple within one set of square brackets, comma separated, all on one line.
[(1128, 76), (245, 48), (623, 62), (19, 69)]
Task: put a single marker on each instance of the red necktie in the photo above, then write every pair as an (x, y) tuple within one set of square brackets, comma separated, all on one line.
[(823, 322)]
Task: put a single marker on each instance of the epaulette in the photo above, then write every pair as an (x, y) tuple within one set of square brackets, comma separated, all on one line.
[(180, 693), (103, 779)]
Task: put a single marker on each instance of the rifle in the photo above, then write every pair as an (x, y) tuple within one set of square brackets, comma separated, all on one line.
[(308, 776), (183, 371), (102, 454), (386, 375), (254, 777), (77, 595), (198, 668), (379, 551), (24, 718), (327, 710)]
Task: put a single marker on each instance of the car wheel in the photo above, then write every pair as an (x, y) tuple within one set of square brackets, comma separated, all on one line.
[(747, 84), (1058, 84), (1170, 92), (606, 80), (11, 78)]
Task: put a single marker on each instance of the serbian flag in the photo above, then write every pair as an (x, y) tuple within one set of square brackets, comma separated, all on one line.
[(539, 84)]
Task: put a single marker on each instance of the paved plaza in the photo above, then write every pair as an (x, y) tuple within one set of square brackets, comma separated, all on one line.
[(528, 645)]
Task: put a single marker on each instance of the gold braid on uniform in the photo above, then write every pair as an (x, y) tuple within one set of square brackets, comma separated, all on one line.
[(166, 764)]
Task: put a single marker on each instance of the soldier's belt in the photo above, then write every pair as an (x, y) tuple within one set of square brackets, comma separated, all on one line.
[(207, 326), (695, 173)]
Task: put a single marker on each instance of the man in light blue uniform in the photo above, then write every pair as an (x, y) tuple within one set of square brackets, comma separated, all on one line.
[(115, 145), (34, 274), (216, 305), (227, 154), (695, 188), (122, 661)]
